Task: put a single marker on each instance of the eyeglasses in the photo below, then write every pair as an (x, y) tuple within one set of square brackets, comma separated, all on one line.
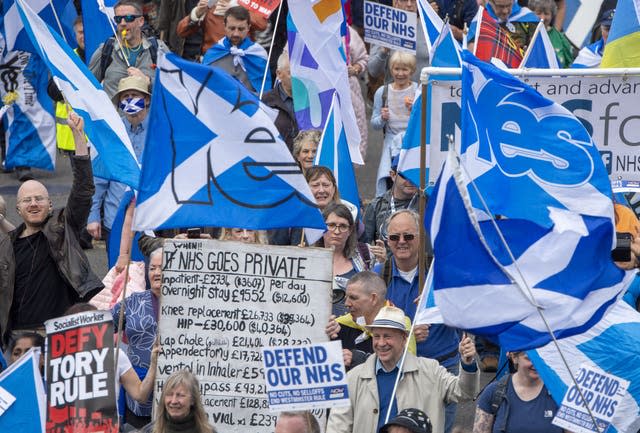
[(338, 228), (127, 18), (39, 199), (407, 237)]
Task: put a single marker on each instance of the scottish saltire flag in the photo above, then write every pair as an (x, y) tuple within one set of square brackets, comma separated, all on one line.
[(623, 45), (613, 345), (519, 14), (23, 381), (529, 160), (333, 153), (474, 25), (112, 154), (15, 36), (29, 123), (319, 68), (427, 312), (431, 23), (540, 53), (589, 56), (97, 17), (213, 157)]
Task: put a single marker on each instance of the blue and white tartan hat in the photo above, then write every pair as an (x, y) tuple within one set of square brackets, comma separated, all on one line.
[(389, 317)]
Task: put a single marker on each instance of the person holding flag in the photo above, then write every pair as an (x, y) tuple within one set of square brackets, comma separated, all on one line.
[(130, 53), (591, 55), (51, 270), (237, 54), (547, 10), (520, 22)]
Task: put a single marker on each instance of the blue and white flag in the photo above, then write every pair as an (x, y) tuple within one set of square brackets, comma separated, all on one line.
[(432, 24), (97, 17), (214, 158), (612, 345), (319, 67), (333, 153), (445, 53), (529, 160), (23, 381), (29, 123), (15, 36), (112, 155), (540, 53)]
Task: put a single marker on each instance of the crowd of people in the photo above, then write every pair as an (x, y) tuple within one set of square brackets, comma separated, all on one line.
[(44, 271)]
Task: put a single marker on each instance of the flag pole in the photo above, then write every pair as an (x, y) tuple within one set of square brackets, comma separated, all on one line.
[(126, 228), (55, 14), (526, 289), (103, 9), (273, 37), (423, 187)]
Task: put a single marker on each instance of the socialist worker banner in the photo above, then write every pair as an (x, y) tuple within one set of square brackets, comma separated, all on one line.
[(80, 384)]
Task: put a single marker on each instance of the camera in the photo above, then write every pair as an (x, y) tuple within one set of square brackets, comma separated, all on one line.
[(622, 252)]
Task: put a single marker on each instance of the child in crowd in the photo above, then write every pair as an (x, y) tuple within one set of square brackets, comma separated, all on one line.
[(391, 108)]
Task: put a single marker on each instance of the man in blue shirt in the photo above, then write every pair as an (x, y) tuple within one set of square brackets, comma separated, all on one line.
[(133, 99), (442, 341)]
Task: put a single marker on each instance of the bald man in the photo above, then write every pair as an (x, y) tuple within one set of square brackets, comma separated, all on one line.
[(51, 270)]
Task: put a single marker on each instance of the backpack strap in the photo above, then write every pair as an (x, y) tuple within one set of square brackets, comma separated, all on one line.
[(105, 56), (499, 394)]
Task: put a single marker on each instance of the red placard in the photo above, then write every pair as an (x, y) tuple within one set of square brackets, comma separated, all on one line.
[(263, 7)]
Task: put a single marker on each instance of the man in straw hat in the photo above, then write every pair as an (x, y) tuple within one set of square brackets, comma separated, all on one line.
[(423, 384), (133, 98)]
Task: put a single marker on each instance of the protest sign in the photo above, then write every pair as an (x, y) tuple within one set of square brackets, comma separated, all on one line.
[(390, 27), (221, 303), (80, 378), (305, 377), (602, 393), (607, 106), (263, 7)]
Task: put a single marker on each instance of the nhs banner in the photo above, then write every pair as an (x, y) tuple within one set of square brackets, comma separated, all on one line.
[(213, 157), (389, 27), (606, 106)]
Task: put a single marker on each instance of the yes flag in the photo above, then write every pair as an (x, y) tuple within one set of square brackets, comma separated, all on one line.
[(540, 53), (97, 16), (15, 36), (112, 155), (23, 381), (532, 162), (333, 153), (29, 123), (213, 157), (612, 345), (623, 44), (319, 67)]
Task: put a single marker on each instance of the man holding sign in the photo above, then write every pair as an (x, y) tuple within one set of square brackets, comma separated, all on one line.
[(423, 384)]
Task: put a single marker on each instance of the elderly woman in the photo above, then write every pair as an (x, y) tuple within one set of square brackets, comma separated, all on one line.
[(180, 407), (305, 146), (244, 235), (140, 327)]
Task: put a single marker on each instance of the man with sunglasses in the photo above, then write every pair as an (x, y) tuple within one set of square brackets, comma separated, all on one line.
[(401, 195), (49, 270), (438, 341), (131, 53)]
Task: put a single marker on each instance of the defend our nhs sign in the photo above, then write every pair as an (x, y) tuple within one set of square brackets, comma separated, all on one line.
[(305, 377), (390, 27), (606, 106)]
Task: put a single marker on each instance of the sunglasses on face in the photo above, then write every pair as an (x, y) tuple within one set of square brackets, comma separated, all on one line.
[(407, 237), (127, 18)]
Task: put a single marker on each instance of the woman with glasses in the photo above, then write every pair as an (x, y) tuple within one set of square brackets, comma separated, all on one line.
[(348, 260)]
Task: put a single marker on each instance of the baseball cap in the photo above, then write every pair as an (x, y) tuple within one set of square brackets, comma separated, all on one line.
[(413, 419)]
